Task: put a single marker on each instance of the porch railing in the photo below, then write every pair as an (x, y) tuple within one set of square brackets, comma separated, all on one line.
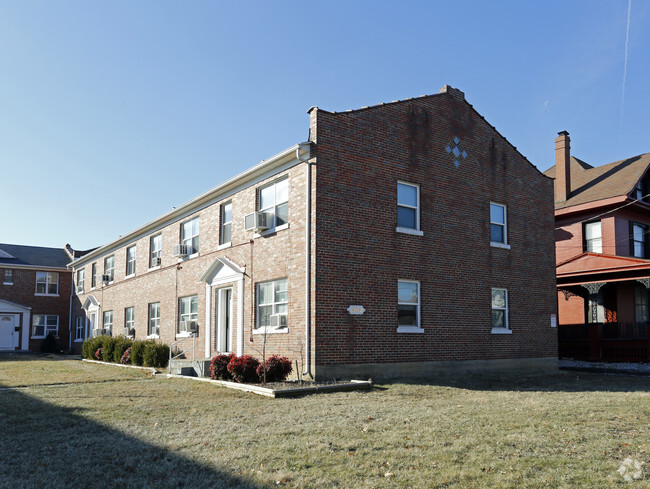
[(182, 352), (607, 342)]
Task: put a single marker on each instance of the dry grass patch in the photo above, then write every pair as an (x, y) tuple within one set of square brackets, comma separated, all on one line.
[(563, 430)]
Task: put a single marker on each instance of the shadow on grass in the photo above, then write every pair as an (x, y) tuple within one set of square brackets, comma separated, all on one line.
[(43, 445), (543, 381)]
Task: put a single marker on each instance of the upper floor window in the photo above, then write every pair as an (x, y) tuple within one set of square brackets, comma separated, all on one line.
[(189, 311), (108, 323), (408, 306), (500, 309), (639, 191), (190, 235), (593, 238), (272, 303), (498, 224), (47, 283), (81, 279), (155, 247), (226, 223), (109, 268), (93, 277), (638, 242), (274, 199), (44, 324), (130, 260), (154, 319), (9, 277), (408, 208)]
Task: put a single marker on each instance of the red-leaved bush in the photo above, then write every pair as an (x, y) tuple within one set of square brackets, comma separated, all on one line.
[(99, 354), (244, 368), (277, 369), (126, 357), (219, 366)]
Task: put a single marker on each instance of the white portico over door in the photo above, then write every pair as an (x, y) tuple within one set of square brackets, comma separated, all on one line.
[(14, 326), (223, 278)]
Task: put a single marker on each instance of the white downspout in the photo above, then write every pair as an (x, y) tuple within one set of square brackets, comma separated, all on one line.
[(307, 267)]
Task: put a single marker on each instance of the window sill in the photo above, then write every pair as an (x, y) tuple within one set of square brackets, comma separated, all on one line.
[(157, 267), (269, 330), (79, 341), (46, 295), (495, 244), (129, 276), (224, 246), (153, 336), (186, 335), (271, 231), (8, 283), (501, 331), (414, 232), (409, 329), (37, 337)]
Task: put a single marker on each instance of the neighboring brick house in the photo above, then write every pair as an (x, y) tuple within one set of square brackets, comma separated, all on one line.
[(35, 294), (399, 238), (602, 217)]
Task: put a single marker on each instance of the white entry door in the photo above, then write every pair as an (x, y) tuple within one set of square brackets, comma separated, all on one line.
[(224, 320), (8, 323)]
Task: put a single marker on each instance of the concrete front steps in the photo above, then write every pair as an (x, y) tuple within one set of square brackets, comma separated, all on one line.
[(190, 368)]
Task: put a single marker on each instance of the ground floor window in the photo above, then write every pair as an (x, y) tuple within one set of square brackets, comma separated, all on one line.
[(272, 303), (154, 319), (641, 304), (79, 328), (129, 321), (408, 305), (44, 324), (189, 312), (108, 323), (500, 309)]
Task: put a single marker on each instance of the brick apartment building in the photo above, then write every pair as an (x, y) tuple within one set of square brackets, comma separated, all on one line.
[(397, 239), (603, 256), (35, 294)]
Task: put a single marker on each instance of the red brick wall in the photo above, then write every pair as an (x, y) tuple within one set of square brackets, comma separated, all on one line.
[(360, 257)]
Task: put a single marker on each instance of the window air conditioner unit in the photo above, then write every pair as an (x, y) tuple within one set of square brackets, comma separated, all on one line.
[(100, 332), (278, 320), (181, 250), (129, 332), (189, 326), (155, 261), (107, 278), (80, 288), (258, 221)]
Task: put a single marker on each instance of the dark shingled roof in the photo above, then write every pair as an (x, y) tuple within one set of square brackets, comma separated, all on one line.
[(589, 184), (37, 256)]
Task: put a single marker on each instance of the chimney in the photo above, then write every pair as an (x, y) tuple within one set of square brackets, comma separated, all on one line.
[(562, 166), (454, 92)]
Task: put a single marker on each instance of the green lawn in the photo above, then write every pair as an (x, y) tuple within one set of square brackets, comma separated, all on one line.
[(63, 428)]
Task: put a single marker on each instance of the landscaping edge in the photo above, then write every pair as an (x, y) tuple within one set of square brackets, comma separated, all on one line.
[(150, 369)]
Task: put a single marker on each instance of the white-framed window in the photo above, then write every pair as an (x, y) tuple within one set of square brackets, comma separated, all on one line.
[(81, 280), (408, 306), (47, 283), (500, 322), (274, 199), (498, 224), (79, 328), (44, 324), (108, 323), (93, 277), (109, 268), (272, 299), (130, 261), (188, 308), (190, 235), (129, 321), (408, 208), (593, 238), (154, 319), (9, 277), (226, 223), (155, 249), (638, 240)]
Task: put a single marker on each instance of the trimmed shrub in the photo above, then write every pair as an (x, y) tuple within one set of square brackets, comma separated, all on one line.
[(155, 355), (277, 369), (137, 351), (219, 367), (121, 345), (126, 357), (90, 346), (49, 344), (244, 368), (109, 348)]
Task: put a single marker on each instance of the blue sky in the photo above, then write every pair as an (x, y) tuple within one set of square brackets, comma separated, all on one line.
[(111, 113)]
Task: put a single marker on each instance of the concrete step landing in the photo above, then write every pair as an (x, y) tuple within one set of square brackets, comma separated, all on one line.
[(190, 368)]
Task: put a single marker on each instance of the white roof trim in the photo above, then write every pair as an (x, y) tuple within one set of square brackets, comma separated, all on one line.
[(90, 301), (4, 254), (217, 265), (3, 301)]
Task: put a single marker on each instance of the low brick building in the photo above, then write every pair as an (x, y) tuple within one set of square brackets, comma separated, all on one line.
[(397, 239), (35, 297)]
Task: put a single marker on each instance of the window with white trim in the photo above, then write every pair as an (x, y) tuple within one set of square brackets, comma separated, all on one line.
[(274, 199), (108, 323), (498, 224), (129, 321), (593, 238), (272, 298), (190, 235), (81, 280), (500, 309), (47, 283), (408, 207), (408, 305), (93, 278), (9, 277), (130, 260), (226, 223), (188, 308), (79, 328), (155, 248), (109, 268), (44, 324), (638, 240), (154, 319)]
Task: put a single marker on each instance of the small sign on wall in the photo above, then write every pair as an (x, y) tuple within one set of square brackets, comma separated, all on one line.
[(553, 320), (356, 310)]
